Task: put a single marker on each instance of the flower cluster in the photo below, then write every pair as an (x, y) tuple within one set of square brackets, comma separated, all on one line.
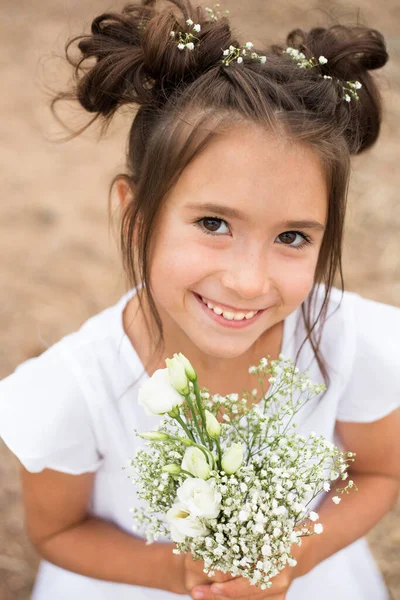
[(186, 40), (304, 63), (233, 53), (214, 13), (228, 478)]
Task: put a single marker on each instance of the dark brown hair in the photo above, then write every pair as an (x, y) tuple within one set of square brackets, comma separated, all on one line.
[(187, 97)]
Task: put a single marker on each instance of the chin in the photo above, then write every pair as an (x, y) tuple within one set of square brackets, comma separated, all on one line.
[(221, 350)]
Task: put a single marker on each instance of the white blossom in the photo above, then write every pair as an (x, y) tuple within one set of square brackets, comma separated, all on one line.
[(200, 498), (157, 395)]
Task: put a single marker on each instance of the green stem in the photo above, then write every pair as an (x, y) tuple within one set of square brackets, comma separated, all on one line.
[(185, 427), (201, 411), (190, 403), (219, 453), (186, 473)]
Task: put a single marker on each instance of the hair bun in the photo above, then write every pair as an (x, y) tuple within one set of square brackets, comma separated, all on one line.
[(137, 60), (351, 51)]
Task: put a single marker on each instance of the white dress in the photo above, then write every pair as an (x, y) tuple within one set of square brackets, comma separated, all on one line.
[(74, 409)]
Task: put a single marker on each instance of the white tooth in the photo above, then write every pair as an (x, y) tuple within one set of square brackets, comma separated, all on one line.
[(251, 314), (210, 305), (228, 315), (218, 310), (239, 316)]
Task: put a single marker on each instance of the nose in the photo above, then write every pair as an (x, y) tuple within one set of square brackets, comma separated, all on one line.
[(248, 276)]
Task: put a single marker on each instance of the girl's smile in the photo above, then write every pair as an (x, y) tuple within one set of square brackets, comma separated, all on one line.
[(226, 316)]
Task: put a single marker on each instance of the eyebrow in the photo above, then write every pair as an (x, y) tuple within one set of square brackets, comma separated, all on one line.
[(233, 213)]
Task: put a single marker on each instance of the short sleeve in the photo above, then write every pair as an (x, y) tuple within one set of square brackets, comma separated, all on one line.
[(44, 417), (373, 387)]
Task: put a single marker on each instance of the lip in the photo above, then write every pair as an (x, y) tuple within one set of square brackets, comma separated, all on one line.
[(224, 322)]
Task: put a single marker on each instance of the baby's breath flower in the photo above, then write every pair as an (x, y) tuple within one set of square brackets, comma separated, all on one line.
[(318, 528)]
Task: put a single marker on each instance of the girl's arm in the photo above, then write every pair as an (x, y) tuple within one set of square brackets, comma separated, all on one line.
[(376, 473), (62, 532)]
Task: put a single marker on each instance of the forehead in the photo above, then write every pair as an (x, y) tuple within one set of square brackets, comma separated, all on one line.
[(251, 167)]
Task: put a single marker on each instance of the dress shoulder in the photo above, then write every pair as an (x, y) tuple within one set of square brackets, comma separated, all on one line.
[(44, 416), (372, 335)]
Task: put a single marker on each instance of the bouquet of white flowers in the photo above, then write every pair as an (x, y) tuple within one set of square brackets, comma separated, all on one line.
[(229, 479)]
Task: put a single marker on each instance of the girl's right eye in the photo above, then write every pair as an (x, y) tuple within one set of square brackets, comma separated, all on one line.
[(211, 225)]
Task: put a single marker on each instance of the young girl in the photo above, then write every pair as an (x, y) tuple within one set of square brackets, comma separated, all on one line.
[(233, 208)]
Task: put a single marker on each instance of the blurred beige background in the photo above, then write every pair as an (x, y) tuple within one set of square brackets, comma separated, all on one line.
[(59, 262)]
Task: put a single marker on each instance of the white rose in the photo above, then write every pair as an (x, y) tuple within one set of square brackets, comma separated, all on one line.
[(182, 524), (200, 498), (157, 395), (195, 463)]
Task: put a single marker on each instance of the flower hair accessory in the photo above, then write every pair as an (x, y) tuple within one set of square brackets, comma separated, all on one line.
[(304, 63), (215, 14), (186, 40), (236, 54)]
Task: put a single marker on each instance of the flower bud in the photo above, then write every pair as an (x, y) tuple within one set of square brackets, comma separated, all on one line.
[(232, 459), (172, 469), (154, 435), (177, 375), (189, 370), (213, 427), (196, 463)]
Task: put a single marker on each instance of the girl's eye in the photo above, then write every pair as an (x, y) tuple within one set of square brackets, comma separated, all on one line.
[(289, 237), (212, 225)]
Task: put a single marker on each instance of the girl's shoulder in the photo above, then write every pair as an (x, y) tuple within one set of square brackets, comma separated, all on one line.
[(48, 404), (361, 322), (361, 344)]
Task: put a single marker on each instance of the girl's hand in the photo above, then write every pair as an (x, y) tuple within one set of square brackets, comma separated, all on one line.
[(240, 589), (193, 574)]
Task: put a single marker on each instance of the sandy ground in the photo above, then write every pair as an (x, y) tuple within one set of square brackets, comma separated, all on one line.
[(58, 261)]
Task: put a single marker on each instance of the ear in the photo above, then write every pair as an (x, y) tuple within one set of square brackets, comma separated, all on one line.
[(124, 191)]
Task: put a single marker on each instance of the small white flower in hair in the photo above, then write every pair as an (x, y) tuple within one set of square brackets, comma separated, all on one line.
[(190, 46), (197, 28), (263, 59), (249, 45), (172, 34), (322, 60), (347, 98), (181, 46), (189, 22), (226, 52), (240, 60)]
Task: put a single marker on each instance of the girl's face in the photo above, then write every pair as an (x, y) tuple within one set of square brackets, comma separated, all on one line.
[(241, 230)]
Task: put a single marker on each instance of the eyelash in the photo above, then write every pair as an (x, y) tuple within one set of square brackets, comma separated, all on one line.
[(307, 239)]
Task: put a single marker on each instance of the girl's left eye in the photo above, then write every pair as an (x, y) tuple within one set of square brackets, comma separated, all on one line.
[(290, 236)]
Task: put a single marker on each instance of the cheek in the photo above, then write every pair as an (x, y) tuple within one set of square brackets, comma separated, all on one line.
[(295, 277), (178, 258)]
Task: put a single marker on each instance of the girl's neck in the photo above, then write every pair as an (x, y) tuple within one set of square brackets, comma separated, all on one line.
[(217, 374)]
